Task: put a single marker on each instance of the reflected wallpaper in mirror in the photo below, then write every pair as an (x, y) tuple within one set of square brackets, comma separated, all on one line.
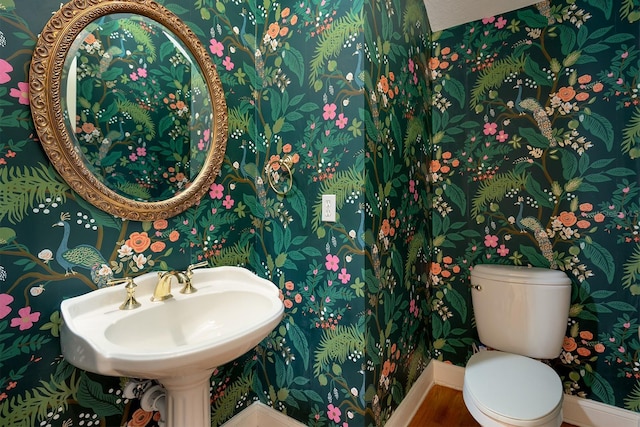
[(138, 107)]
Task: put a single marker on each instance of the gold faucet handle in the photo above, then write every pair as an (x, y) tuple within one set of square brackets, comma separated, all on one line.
[(119, 281), (188, 287), (194, 266), (130, 303)]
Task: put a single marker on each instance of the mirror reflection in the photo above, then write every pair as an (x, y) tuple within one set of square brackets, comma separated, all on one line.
[(128, 106), (137, 106)]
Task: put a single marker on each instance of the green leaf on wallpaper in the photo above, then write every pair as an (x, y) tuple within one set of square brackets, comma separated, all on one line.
[(101, 218), (533, 255), (256, 208), (91, 395), (22, 188), (631, 269), (299, 342), (533, 71), (336, 345), (631, 132), (599, 387), (112, 73), (25, 410), (329, 43), (600, 257), (532, 19), (621, 306), (456, 89), (456, 196), (295, 61), (533, 187), (534, 137), (457, 302), (621, 172), (176, 8), (599, 126), (569, 164), (567, 38)]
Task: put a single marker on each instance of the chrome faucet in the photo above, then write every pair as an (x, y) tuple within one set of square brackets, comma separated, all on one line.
[(163, 288)]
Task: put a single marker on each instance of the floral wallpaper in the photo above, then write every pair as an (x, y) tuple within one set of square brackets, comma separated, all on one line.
[(512, 140), (535, 124), (339, 86)]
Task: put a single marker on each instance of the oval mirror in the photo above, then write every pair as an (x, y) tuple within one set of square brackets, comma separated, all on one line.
[(128, 107)]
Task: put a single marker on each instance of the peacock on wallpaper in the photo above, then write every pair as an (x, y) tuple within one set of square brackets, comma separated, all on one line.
[(342, 87)]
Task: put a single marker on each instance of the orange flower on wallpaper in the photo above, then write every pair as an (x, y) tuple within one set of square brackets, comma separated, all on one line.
[(174, 236), (569, 344), (586, 335), (566, 93), (158, 246), (273, 30), (584, 79), (435, 268), (567, 218), (160, 224), (140, 418), (139, 242)]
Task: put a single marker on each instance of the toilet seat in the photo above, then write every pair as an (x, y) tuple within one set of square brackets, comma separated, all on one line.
[(508, 389)]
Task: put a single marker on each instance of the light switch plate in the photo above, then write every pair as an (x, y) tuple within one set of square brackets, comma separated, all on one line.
[(329, 207)]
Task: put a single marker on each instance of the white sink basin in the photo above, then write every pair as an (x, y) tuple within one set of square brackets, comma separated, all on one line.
[(232, 311)]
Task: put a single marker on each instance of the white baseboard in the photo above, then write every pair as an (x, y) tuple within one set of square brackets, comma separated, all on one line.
[(260, 415), (576, 411)]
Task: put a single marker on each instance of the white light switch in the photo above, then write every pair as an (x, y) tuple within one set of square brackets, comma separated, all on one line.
[(329, 207)]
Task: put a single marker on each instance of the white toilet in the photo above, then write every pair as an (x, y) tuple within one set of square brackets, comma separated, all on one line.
[(521, 314)]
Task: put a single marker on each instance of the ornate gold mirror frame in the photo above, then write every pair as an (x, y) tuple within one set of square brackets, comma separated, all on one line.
[(46, 89)]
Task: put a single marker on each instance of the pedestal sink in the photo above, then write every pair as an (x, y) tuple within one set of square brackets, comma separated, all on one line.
[(178, 342)]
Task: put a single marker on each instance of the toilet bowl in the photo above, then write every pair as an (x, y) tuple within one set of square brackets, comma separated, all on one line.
[(504, 389)]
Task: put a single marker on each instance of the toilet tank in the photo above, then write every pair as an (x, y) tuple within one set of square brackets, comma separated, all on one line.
[(522, 310)]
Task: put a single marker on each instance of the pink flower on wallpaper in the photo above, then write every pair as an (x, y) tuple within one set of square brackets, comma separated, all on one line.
[(215, 191), (26, 319), (5, 300), (228, 64), (142, 72), (490, 128), (503, 250), (342, 121), (502, 136), (344, 276), (332, 262), (500, 23), (216, 47), (333, 413), (5, 69), (228, 202), (490, 241), (22, 93), (329, 111)]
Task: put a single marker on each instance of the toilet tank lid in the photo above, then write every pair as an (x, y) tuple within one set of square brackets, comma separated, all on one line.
[(521, 274)]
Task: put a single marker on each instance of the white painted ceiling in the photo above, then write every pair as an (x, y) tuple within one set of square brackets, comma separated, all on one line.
[(443, 14)]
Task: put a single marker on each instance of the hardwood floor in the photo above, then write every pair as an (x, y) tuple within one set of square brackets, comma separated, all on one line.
[(444, 407)]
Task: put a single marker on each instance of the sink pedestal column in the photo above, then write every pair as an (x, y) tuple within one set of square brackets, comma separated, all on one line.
[(188, 400)]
